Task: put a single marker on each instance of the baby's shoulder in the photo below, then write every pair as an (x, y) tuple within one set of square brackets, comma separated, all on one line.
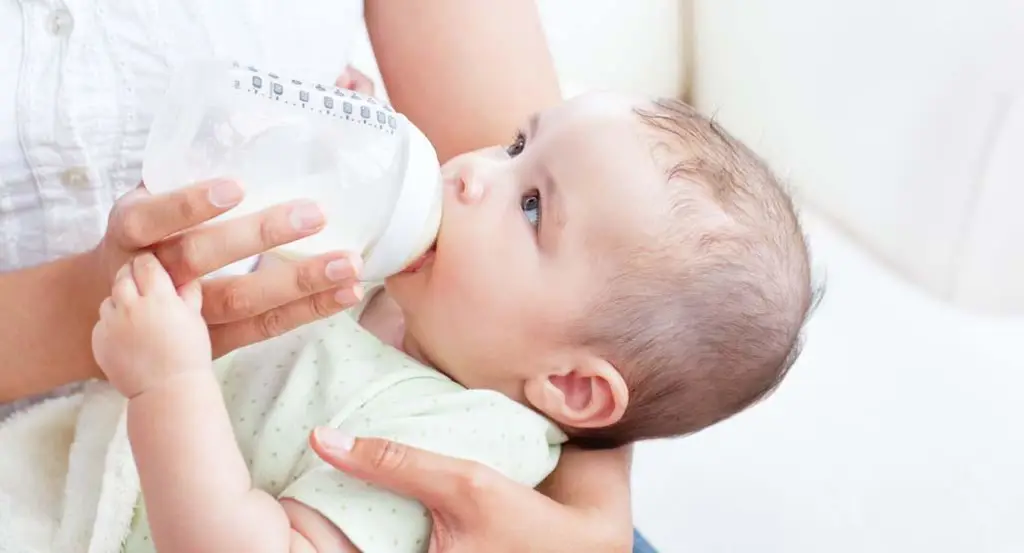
[(425, 397), (426, 409)]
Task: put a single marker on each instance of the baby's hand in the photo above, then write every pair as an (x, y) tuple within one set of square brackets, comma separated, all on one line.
[(148, 331)]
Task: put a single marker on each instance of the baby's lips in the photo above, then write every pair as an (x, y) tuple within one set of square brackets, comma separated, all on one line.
[(420, 261), (415, 265)]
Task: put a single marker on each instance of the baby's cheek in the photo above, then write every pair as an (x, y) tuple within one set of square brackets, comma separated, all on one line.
[(459, 276)]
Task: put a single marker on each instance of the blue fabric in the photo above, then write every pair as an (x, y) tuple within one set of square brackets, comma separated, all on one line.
[(640, 545)]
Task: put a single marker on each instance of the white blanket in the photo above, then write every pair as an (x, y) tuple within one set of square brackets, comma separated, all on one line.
[(68, 482)]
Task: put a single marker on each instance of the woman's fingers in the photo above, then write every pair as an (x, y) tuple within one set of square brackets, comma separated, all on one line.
[(247, 309), (455, 486), (141, 219), (200, 251), (355, 80), (276, 284), (277, 321)]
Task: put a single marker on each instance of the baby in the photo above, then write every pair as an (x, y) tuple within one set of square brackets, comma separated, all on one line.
[(621, 271)]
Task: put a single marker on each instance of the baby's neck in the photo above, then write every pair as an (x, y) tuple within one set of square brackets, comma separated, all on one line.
[(384, 319)]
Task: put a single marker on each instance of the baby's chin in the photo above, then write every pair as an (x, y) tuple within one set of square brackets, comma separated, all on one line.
[(407, 291)]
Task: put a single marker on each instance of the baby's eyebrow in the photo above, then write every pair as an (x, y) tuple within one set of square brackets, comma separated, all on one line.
[(532, 125), (554, 206)]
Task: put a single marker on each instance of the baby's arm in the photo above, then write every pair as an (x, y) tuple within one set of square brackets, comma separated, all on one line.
[(197, 488), (198, 491), (153, 346)]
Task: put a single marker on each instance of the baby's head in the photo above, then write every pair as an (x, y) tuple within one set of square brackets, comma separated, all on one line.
[(628, 269)]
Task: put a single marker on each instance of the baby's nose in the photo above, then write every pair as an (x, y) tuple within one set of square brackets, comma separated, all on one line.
[(474, 176), (469, 181)]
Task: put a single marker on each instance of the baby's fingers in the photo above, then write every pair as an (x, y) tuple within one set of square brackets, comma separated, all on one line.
[(192, 295), (150, 276), (124, 291), (107, 309)]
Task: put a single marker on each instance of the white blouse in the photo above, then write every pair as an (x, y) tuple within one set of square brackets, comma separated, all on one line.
[(79, 80)]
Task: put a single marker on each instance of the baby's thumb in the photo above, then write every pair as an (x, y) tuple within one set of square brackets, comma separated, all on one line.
[(192, 294)]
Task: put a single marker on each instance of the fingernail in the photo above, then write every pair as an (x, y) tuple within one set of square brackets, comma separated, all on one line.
[(349, 296), (334, 439), (339, 269), (306, 217), (225, 194)]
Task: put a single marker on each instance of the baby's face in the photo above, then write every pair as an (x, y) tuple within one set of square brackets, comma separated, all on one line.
[(524, 242)]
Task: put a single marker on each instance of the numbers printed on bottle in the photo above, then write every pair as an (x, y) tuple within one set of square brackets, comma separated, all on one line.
[(295, 93)]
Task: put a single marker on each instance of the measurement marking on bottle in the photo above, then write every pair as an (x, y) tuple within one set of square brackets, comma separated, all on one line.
[(373, 113)]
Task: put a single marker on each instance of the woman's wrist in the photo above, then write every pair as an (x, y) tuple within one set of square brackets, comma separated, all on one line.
[(45, 334), (91, 278), (595, 484), (75, 290)]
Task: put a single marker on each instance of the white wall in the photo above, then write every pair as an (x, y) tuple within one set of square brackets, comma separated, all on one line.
[(902, 119), (628, 46)]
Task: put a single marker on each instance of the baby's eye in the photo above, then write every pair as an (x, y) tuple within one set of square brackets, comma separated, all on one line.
[(517, 145), (530, 204)]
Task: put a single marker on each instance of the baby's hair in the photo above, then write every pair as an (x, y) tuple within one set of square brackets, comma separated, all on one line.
[(705, 320)]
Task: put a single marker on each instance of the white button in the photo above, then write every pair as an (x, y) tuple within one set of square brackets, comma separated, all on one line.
[(60, 23), (77, 177)]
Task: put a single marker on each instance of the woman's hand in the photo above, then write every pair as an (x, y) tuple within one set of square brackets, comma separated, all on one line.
[(238, 310), (356, 81), (477, 509)]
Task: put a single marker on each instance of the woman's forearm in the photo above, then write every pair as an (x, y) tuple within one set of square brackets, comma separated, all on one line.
[(46, 318), (197, 488), (596, 482), (467, 72)]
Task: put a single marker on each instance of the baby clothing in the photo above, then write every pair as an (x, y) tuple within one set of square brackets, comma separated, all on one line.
[(336, 373)]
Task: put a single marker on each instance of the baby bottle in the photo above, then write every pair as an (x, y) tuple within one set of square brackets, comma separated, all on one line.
[(373, 173)]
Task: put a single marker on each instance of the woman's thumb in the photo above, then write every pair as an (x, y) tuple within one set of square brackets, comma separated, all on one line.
[(431, 478)]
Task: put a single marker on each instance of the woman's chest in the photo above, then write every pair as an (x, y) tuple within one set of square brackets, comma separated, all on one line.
[(86, 58), (83, 77)]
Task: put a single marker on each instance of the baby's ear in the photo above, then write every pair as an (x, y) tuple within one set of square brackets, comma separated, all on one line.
[(591, 394)]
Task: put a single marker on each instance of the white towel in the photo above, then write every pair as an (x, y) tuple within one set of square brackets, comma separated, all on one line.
[(68, 482)]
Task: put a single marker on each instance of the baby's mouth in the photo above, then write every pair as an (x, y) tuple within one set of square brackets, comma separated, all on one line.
[(422, 260)]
